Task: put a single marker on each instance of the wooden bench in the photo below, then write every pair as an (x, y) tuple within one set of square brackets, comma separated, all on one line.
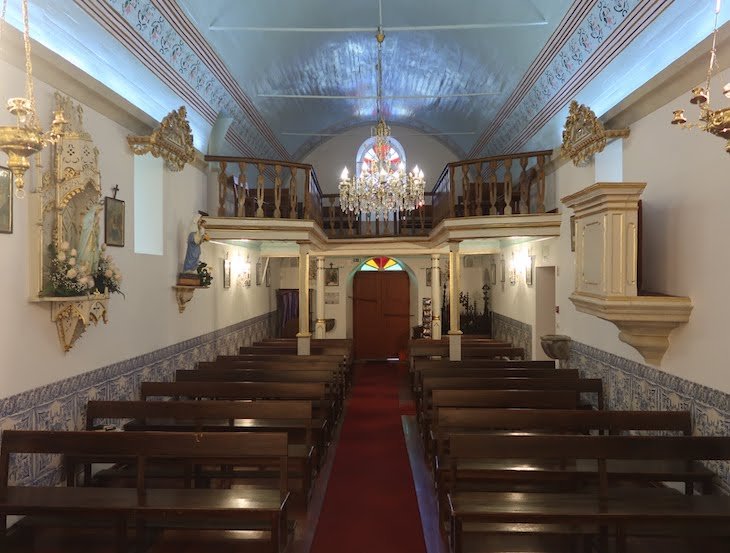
[(420, 348), (473, 385), (624, 510), (316, 392), (330, 378), (445, 368), (484, 421), (233, 509), (292, 417), (281, 362)]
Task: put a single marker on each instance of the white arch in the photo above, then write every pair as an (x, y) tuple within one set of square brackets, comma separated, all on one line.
[(397, 146)]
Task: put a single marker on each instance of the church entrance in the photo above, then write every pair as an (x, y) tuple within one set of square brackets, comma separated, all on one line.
[(381, 314)]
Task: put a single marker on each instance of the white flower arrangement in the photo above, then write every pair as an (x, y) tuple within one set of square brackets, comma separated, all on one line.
[(64, 277)]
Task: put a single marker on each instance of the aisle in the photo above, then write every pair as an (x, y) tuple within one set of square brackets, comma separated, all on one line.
[(370, 504)]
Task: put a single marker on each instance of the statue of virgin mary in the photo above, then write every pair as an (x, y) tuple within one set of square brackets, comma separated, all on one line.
[(88, 246)]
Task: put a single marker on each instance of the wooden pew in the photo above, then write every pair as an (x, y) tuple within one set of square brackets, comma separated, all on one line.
[(483, 421), (624, 510), (330, 378), (420, 348), (578, 385), (235, 509), (345, 343), (279, 362), (292, 417), (420, 364), (316, 392), (488, 372)]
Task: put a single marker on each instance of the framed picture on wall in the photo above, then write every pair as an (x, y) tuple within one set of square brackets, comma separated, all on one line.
[(226, 273), (502, 270), (529, 271), (259, 273), (6, 201), (331, 276), (113, 222), (492, 273), (428, 277)]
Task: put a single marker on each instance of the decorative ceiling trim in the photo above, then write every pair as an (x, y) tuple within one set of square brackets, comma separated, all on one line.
[(564, 30), (315, 141), (634, 25), (600, 37), (197, 42), (148, 36)]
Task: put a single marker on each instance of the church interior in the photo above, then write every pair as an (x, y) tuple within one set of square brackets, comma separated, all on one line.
[(393, 276)]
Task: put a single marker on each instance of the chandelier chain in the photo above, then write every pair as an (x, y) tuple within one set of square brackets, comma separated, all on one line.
[(33, 116)]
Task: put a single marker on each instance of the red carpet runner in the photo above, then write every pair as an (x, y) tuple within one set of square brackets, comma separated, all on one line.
[(370, 505)]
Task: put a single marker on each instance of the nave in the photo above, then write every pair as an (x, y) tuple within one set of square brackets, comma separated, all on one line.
[(482, 455)]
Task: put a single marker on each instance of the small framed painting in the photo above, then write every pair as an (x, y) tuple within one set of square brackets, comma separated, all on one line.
[(332, 276), (6, 201), (259, 273), (529, 271), (113, 222), (226, 273)]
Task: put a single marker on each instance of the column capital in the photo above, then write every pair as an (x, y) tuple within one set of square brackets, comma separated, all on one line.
[(454, 246), (320, 257), (435, 256)]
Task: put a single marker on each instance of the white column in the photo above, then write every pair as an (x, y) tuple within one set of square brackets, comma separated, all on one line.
[(454, 284), (435, 297), (303, 336), (319, 326)]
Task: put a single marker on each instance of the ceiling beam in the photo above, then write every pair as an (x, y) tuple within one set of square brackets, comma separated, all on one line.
[(407, 28), (373, 97)]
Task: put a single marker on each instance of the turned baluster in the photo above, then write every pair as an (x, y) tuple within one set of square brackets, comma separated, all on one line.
[(452, 192), (508, 186), (465, 189), (480, 189), (350, 218), (307, 196), (541, 184), (332, 215), (524, 187), (260, 191), (222, 182), (277, 191), (242, 189), (493, 187), (293, 194)]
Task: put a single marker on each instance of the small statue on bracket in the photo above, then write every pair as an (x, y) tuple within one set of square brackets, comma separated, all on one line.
[(196, 236)]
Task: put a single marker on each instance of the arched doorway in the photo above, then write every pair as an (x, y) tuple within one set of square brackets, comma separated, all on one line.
[(381, 310)]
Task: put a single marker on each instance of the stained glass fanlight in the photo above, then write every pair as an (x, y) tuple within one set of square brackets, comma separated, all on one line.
[(381, 264)]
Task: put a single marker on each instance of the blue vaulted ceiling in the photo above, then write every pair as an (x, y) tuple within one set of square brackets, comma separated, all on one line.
[(231, 58)]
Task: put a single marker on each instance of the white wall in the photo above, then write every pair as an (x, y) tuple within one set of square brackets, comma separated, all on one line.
[(684, 239), (517, 301), (330, 157), (148, 318)]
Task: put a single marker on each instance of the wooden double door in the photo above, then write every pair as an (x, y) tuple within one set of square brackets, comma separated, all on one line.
[(381, 314)]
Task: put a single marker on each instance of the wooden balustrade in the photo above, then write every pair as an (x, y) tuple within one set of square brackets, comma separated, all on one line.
[(497, 185), (282, 189), (460, 190)]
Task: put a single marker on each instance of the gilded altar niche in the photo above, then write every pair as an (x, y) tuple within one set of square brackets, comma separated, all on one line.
[(70, 217)]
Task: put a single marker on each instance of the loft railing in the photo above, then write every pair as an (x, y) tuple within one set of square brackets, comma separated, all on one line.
[(497, 185), (251, 187), (345, 224)]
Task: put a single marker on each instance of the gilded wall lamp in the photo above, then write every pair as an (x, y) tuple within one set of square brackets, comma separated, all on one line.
[(716, 122), (25, 138)]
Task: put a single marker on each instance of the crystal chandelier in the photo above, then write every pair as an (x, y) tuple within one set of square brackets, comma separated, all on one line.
[(25, 138), (716, 122), (378, 188)]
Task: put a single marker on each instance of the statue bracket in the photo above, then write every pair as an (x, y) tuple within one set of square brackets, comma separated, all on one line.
[(184, 294), (73, 315)]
